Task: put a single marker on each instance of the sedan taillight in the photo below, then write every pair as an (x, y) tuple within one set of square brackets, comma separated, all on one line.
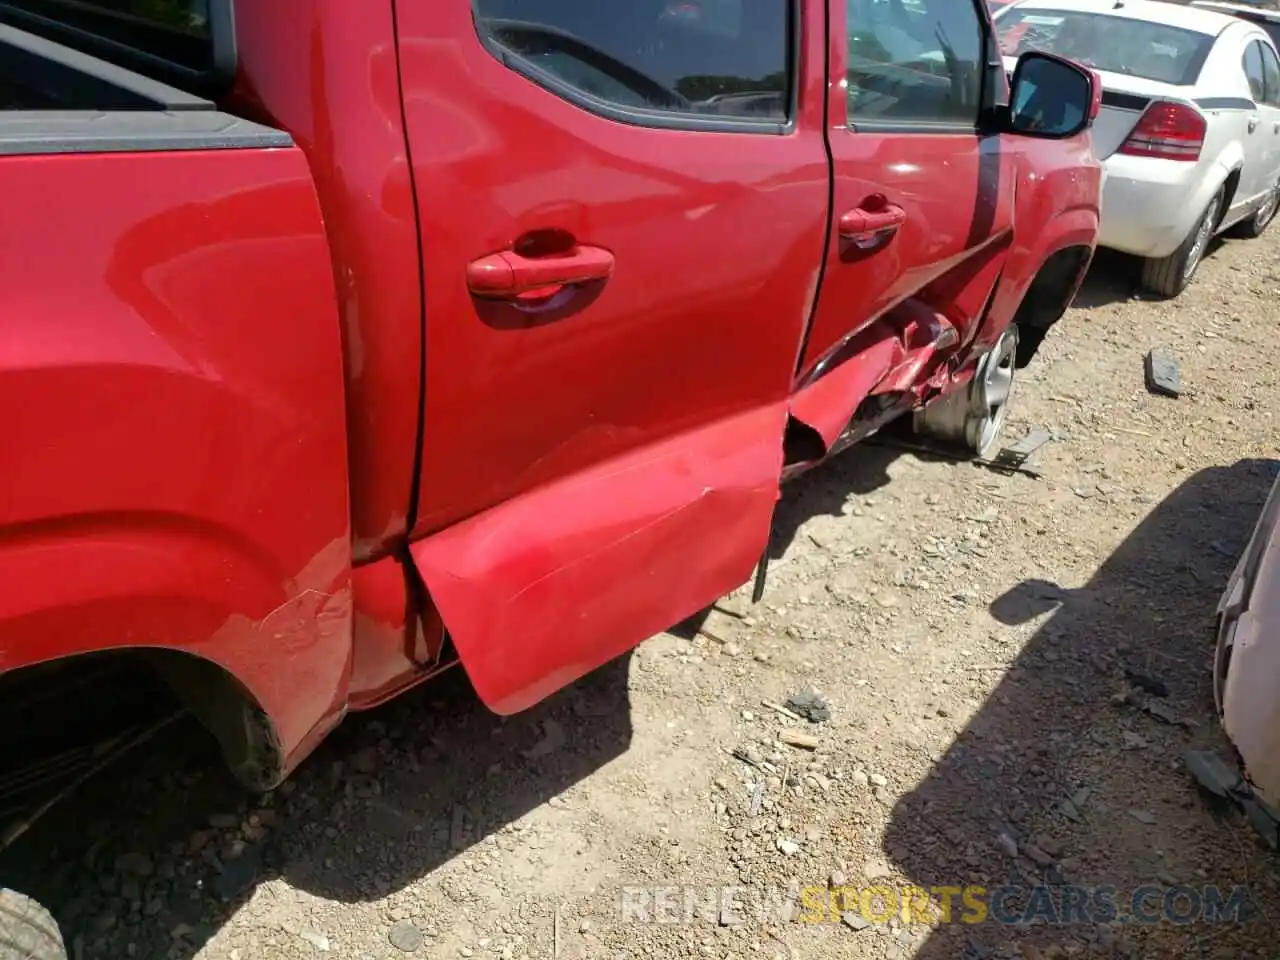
[(1167, 131)]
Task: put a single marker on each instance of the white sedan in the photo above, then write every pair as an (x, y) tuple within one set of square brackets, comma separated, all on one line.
[(1189, 131)]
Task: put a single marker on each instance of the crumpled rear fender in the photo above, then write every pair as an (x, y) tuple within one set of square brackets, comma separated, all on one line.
[(543, 588)]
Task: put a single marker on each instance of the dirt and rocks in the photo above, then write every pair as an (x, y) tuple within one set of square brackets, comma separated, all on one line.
[(957, 678)]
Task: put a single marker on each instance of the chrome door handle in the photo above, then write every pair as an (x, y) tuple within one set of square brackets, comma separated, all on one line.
[(1253, 124)]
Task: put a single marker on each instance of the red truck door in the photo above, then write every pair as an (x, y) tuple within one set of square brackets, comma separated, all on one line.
[(623, 211), (923, 201)]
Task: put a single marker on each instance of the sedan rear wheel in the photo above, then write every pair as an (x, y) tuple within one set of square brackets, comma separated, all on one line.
[(1255, 225), (1170, 275)]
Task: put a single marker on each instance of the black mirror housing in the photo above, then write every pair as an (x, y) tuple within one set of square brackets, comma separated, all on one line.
[(1051, 97)]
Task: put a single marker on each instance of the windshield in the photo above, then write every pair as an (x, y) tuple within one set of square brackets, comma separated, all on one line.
[(1136, 48)]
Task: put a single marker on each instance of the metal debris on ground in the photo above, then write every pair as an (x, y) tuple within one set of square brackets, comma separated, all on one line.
[(1027, 469), (1225, 782), (1162, 373), (1017, 454), (810, 704)]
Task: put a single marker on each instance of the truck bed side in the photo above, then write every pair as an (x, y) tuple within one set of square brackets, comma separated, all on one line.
[(171, 370)]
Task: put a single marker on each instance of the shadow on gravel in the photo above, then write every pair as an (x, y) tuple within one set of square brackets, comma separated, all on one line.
[(1091, 789), (1115, 277), (1112, 278), (160, 852)]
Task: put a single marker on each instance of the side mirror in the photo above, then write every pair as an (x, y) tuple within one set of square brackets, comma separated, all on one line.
[(1052, 97)]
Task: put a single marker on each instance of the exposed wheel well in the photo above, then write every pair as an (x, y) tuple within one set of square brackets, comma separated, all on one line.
[(1229, 187), (1047, 298), (66, 709)]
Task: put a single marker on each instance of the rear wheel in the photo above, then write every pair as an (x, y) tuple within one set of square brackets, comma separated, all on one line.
[(975, 415), (27, 930), (1255, 225), (1170, 275)]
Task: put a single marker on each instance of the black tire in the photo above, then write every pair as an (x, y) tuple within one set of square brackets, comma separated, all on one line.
[(27, 930), (1169, 276), (1256, 225)]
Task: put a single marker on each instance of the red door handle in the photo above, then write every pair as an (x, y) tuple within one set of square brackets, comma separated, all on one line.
[(508, 275), (876, 223)]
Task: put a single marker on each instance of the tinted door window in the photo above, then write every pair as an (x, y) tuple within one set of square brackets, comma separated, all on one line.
[(1254, 71), (694, 58), (915, 60), (1271, 75)]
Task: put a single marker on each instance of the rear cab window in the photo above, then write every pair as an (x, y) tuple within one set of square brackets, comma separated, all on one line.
[(661, 62), (1135, 48), (186, 42)]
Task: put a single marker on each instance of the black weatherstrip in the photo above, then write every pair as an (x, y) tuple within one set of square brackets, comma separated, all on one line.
[(1124, 101), (1226, 103)]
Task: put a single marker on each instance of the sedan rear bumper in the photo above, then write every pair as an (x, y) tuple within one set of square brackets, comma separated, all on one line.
[(1149, 206)]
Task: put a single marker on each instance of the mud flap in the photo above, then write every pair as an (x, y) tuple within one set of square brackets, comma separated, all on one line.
[(544, 588)]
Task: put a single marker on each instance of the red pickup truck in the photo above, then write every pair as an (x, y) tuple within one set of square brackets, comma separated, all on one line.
[(346, 342)]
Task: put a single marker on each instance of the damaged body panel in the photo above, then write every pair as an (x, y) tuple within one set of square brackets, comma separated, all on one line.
[(1247, 662), (550, 585)]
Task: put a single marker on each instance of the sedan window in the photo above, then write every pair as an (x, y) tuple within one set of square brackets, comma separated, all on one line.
[(1153, 51)]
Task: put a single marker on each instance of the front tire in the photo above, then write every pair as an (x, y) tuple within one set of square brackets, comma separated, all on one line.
[(27, 930), (1169, 276)]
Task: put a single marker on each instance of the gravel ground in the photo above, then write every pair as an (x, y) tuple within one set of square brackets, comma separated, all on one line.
[(957, 639)]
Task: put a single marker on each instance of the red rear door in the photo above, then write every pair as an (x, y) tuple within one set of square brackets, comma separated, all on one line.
[(623, 210), (923, 201)]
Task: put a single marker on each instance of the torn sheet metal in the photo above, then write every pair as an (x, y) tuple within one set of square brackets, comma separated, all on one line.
[(546, 587)]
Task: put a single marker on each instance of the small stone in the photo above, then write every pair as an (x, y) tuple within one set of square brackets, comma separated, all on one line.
[(748, 716), (1143, 816), (106, 922), (366, 760), (837, 880), (878, 779), (1167, 878), (1049, 845), (405, 936), (553, 738), (136, 863), (859, 778), (1008, 845), (316, 939), (584, 926), (854, 921), (1037, 855), (788, 847), (875, 870), (810, 704)]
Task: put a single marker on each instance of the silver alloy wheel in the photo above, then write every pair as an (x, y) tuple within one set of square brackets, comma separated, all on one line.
[(1204, 233), (975, 416)]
